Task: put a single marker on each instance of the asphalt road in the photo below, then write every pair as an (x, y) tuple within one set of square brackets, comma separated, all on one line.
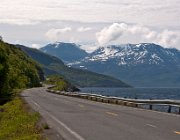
[(78, 119)]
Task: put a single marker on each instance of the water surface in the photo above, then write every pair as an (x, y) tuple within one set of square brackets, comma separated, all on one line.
[(136, 93)]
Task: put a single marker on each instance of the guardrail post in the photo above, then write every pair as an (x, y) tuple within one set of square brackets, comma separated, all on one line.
[(150, 107), (169, 109)]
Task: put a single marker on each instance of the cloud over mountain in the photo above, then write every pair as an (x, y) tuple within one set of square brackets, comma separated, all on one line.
[(35, 46), (137, 21), (84, 29), (55, 34), (111, 33), (114, 32)]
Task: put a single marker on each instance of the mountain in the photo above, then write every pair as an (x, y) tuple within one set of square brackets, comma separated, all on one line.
[(62, 50), (17, 71), (83, 78), (141, 65)]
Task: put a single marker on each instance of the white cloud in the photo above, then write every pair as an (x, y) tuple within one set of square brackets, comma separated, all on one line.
[(35, 46), (111, 33), (84, 29), (38, 16), (116, 31), (89, 47), (138, 11), (168, 39), (55, 34)]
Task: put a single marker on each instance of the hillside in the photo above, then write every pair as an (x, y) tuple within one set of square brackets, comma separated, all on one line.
[(17, 70), (82, 78)]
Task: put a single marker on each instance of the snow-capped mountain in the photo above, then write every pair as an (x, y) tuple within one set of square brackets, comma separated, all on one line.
[(138, 64), (142, 65), (68, 52), (130, 54)]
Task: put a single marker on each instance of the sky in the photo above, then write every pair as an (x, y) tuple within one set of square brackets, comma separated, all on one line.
[(92, 23)]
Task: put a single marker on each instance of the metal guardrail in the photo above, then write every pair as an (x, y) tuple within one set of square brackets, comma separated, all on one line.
[(150, 104)]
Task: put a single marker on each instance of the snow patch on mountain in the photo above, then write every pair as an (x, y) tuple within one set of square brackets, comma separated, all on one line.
[(129, 54)]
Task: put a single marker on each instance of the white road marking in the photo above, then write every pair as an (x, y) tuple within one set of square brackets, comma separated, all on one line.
[(76, 135), (151, 125), (140, 109), (80, 105), (36, 104), (67, 128), (111, 113)]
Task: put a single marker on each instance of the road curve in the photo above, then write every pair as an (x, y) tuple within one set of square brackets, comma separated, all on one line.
[(78, 119)]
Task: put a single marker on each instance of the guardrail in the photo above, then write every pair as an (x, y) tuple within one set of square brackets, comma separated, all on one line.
[(170, 106)]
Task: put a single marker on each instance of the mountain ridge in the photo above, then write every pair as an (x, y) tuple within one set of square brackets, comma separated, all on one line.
[(143, 64), (62, 50), (156, 53), (78, 77)]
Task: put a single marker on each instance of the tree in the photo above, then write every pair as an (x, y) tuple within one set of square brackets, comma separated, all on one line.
[(17, 71), (4, 86)]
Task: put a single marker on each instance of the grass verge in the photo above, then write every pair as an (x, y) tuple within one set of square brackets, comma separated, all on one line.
[(16, 123)]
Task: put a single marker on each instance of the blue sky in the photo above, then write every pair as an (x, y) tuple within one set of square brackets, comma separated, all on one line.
[(99, 22)]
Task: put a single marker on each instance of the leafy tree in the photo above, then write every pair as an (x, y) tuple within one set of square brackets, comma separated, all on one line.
[(17, 70), (4, 69)]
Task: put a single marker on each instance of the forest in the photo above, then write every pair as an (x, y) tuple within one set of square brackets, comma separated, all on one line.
[(17, 71)]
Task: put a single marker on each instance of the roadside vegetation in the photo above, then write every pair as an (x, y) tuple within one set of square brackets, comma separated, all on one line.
[(16, 123), (17, 71), (60, 84)]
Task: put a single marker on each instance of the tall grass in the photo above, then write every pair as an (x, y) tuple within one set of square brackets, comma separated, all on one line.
[(16, 123)]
